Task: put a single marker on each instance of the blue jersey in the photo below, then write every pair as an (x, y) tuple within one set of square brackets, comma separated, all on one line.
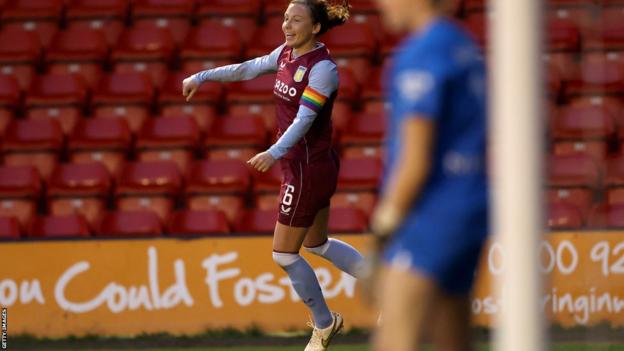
[(438, 74)]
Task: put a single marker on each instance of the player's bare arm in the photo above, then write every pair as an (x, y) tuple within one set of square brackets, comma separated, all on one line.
[(407, 177)]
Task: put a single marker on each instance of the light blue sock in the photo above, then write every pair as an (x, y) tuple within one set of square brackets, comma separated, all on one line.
[(344, 256), (306, 285)]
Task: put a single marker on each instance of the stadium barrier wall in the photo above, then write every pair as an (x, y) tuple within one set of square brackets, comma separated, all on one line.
[(132, 287)]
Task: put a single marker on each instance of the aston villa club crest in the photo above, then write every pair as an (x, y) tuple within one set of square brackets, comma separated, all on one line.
[(298, 77)]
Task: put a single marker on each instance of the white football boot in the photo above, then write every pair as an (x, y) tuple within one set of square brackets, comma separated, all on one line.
[(322, 337)]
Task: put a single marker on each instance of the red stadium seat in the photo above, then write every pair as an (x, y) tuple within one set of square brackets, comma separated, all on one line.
[(573, 171), (82, 188), (80, 51), (145, 48), (605, 216), (372, 87), (363, 200), (359, 174), (20, 188), (9, 228), (266, 201), (562, 35), (172, 14), (351, 39), (237, 131), (169, 138), (244, 25), (580, 197), (110, 27), (44, 31), (57, 90), (349, 89), (365, 128), (239, 153), (10, 95), (601, 73), (20, 54), (475, 5), (266, 38), (162, 8), (33, 142), (203, 105), (614, 172), (615, 196), (40, 16), (363, 151), (149, 185), (388, 43), (265, 110), (606, 32), (231, 205), (218, 177), (105, 140), (130, 95), (56, 227), (342, 115), (561, 66), (198, 223), (347, 220), (274, 8), (363, 6), (570, 3), (258, 90), (67, 117), (256, 222), (91, 9), (360, 67), (32, 10), (562, 216), (583, 120), (212, 41), (123, 224), (220, 8), (6, 116), (596, 149), (267, 182)]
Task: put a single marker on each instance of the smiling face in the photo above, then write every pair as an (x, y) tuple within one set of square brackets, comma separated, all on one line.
[(298, 27)]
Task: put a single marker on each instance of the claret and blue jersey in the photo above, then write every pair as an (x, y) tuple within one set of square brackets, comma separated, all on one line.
[(438, 74)]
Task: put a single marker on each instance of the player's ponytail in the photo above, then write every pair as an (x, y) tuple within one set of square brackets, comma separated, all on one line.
[(329, 15)]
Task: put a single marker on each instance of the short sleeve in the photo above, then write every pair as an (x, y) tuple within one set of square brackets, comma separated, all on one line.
[(419, 89)]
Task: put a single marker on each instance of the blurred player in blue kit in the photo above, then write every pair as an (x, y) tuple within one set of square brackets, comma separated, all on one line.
[(432, 217)]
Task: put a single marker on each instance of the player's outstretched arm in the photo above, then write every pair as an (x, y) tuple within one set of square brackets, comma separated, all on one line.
[(232, 73)]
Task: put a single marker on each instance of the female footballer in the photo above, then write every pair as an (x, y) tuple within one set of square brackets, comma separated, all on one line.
[(305, 89), (432, 214)]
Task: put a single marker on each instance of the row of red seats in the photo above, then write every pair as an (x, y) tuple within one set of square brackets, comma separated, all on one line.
[(149, 47), (24, 10), (480, 5), (131, 224), (228, 185), (568, 29), (566, 216), (40, 142)]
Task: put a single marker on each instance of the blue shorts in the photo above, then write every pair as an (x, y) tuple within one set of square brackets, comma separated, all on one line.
[(444, 247)]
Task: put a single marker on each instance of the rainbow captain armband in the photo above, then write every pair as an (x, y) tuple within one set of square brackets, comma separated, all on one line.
[(312, 99)]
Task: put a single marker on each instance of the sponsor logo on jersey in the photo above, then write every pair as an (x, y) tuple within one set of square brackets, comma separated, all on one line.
[(284, 89), (301, 70)]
